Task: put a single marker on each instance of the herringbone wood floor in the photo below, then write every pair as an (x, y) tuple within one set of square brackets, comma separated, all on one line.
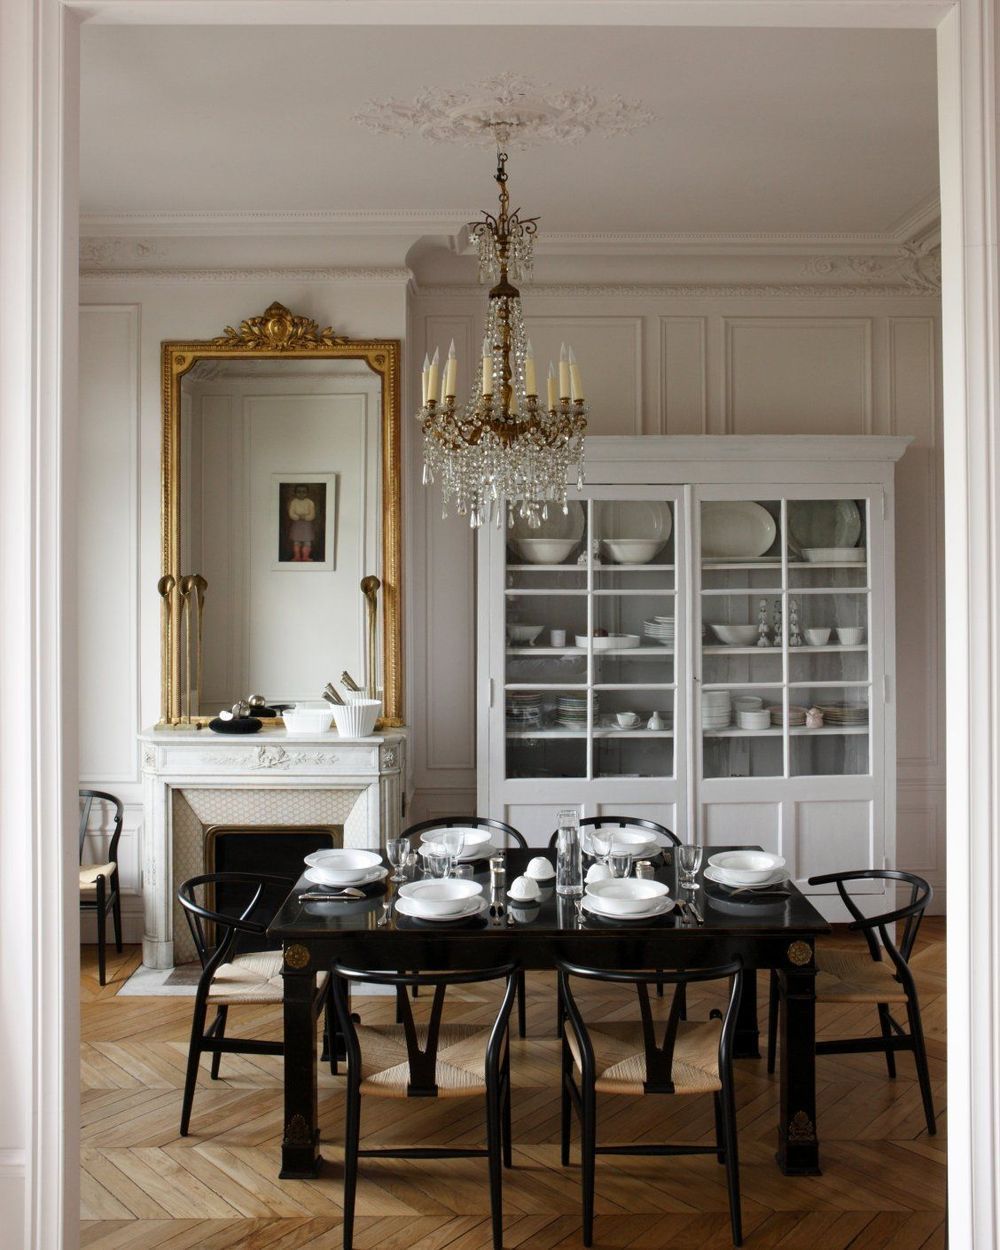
[(143, 1186)]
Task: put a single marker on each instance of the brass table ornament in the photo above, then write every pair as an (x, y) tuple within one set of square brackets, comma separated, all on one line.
[(370, 586)]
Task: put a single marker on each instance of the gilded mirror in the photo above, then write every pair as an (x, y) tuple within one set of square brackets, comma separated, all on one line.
[(281, 493)]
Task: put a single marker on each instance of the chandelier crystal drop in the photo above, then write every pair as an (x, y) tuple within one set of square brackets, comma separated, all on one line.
[(505, 444)]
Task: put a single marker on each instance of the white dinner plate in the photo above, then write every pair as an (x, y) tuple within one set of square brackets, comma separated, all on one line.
[(660, 908), (632, 519), (407, 907), (318, 878), (739, 529), (720, 877), (823, 523)]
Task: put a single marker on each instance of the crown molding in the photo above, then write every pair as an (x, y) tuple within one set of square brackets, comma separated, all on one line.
[(743, 290), (923, 220), (256, 222), (367, 277)]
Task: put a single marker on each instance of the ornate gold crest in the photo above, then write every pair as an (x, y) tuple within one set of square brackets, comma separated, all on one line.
[(278, 330), (297, 1132), (801, 1128), (800, 953), (297, 957)]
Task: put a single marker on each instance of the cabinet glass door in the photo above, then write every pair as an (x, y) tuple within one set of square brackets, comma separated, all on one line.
[(786, 674), (590, 674)]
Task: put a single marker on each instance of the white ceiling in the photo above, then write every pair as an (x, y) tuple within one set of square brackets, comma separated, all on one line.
[(770, 130)]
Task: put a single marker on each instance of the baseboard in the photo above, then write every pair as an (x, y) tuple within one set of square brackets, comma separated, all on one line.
[(13, 1181)]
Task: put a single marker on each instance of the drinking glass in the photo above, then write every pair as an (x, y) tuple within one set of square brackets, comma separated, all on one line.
[(619, 863), (453, 841), (689, 861), (437, 860), (395, 850)]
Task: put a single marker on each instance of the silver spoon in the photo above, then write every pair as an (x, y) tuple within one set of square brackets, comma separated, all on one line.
[(323, 896)]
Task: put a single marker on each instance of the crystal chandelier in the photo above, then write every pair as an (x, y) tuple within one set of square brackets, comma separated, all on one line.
[(504, 444)]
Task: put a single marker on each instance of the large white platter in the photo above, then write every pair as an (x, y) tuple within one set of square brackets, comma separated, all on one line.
[(632, 519), (823, 523), (736, 529), (558, 524)]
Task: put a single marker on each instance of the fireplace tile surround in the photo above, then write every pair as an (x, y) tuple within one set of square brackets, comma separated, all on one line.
[(193, 779)]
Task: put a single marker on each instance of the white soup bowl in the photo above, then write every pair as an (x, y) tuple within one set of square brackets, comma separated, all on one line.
[(628, 896), (342, 867), (747, 867), (440, 898)]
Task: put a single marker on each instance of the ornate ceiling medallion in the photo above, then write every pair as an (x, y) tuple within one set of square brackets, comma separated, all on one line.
[(508, 108)]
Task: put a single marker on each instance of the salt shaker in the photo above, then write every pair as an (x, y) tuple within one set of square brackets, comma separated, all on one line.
[(644, 870), (498, 874), (569, 854)]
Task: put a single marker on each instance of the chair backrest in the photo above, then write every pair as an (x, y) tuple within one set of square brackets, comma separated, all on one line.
[(623, 822), (88, 797), (912, 912), (422, 1064), (215, 932), (659, 1054), (466, 822)]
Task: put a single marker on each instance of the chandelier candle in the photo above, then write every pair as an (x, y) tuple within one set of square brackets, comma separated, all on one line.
[(503, 445)]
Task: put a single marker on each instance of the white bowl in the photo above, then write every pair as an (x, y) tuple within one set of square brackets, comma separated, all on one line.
[(747, 867), (307, 718), (440, 898), (851, 637), (540, 868), (817, 637), (631, 841), (598, 872), (633, 550), (341, 867), (473, 839), (736, 635), (524, 889), (524, 633), (543, 550), (357, 720), (623, 897), (609, 642)]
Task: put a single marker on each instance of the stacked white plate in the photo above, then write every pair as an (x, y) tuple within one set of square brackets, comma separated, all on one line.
[(844, 713), (633, 898), (796, 716), (753, 718), (571, 710), (660, 629), (344, 867), (441, 900), (716, 709), (746, 870), (524, 708)]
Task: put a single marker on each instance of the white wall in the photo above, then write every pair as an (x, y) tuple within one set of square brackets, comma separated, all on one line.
[(749, 360), (124, 319)]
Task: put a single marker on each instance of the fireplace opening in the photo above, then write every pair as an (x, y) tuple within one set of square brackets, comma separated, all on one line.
[(268, 851)]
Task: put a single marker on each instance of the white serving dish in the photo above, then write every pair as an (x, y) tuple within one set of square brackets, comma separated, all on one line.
[(624, 898), (568, 525), (343, 867), (316, 876), (759, 718), (474, 841), (472, 907), (308, 718), (735, 529), (357, 720), (524, 633), (823, 523), (540, 868), (524, 889), (635, 842), (633, 520), (817, 637), (633, 550), (613, 642), (835, 555), (736, 635), (851, 636), (543, 550), (746, 867), (440, 898)]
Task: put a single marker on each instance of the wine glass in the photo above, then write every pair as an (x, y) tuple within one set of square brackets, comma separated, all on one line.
[(453, 841), (395, 850), (689, 861)]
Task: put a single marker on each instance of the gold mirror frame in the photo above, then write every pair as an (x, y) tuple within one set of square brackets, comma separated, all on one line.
[(278, 333)]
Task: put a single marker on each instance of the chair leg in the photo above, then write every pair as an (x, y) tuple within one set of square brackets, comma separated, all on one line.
[(352, 1136), (890, 1054), (566, 1109), (732, 1160), (116, 912), (923, 1071), (494, 1153), (720, 1145), (659, 986), (508, 1142), (773, 1002), (682, 994), (522, 1008), (194, 1055), (219, 1031), (102, 920), (588, 1157)]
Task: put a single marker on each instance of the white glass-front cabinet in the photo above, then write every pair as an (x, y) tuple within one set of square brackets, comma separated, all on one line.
[(706, 639)]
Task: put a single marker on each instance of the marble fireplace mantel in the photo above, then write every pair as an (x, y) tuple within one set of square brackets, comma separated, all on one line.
[(267, 778)]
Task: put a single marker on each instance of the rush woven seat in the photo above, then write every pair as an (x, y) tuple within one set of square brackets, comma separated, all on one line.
[(89, 874), (846, 977), (621, 1058), (881, 977), (251, 978), (100, 891), (427, 1059), (649, 1056)]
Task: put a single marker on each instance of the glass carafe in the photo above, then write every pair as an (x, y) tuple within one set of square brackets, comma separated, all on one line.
[(569, 854)]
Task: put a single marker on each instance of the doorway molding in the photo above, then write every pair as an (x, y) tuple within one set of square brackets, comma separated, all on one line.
[(39, 94)]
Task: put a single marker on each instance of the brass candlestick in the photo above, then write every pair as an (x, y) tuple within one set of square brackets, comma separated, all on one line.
[(186, 589), (369, 588), (165, 588)]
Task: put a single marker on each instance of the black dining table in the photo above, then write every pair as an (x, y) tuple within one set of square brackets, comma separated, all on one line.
[(778, 931)]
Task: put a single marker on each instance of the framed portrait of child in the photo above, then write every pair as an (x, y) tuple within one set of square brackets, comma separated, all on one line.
[(305, 508)]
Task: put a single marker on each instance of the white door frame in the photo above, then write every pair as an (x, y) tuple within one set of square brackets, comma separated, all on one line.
[(39, 42)]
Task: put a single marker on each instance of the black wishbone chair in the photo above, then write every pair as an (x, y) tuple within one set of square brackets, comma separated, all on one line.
[(630, 1059), (509, 834), (229, 979), (850, 977), (99, 888), (433, 1060)]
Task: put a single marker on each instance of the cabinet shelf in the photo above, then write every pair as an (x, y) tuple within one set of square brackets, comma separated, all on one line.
[(581, 734), (722, 649), (775, 731), (581, 652)]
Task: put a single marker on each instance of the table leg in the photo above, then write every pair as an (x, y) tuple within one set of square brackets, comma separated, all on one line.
[(746, 1043), (300, 1157), (798, 1144)]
